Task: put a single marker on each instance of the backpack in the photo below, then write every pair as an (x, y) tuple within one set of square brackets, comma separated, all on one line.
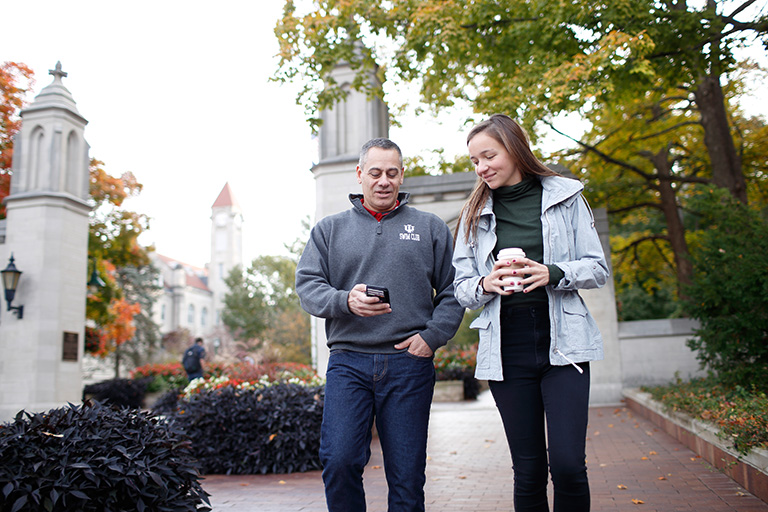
[(191, 360)]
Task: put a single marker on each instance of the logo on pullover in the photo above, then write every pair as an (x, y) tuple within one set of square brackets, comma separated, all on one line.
[(409, 234)]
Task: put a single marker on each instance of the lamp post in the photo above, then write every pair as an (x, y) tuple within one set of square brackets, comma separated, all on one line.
[(95, 282), (11, 277)]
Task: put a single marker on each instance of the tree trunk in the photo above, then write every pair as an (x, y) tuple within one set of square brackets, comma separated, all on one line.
[(725, 161), (117, 362), (675, 228)]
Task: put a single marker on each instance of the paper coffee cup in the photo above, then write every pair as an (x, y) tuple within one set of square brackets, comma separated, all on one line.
[(515, 282)]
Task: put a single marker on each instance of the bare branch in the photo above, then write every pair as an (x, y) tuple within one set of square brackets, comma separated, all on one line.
[(740, 8), (605, 156), (671, 128), (632, 245), (661, 253)]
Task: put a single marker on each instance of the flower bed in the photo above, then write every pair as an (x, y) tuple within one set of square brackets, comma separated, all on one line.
[(167, 376), (456, 363), (740, 415)]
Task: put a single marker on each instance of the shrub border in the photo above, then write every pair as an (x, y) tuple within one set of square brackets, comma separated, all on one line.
[(750, 471)]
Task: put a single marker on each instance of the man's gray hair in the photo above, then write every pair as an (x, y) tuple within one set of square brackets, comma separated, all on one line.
[(382, 143)]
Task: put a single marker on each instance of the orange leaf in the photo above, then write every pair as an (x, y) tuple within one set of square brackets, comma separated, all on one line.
[(637, 502)]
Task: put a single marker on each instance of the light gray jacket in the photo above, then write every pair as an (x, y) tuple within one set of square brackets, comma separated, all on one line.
[(571, 242)]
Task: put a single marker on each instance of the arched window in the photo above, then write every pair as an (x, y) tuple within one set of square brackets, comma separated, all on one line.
[(203, 316), (191, 314)]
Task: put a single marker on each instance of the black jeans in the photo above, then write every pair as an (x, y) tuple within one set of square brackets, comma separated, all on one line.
[(542, 406)]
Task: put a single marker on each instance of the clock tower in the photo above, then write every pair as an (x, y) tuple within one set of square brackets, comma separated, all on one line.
[(226, 246)]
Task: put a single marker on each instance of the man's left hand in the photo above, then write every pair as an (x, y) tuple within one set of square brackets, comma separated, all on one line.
[(416, 346)]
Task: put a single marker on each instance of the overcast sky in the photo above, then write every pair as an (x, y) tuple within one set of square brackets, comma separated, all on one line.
[(178, 92)]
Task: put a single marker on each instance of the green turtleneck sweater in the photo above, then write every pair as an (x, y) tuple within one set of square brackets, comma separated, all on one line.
[(518, 224)]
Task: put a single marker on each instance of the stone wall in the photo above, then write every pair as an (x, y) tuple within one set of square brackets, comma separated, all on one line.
[(653, 352)]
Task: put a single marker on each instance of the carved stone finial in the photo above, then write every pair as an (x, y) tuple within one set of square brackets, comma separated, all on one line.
[(57, 73)]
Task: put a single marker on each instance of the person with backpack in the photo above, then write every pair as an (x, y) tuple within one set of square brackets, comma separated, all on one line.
[(191, 360)]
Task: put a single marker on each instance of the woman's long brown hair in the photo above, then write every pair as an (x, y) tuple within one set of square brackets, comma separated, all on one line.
[(514, 139)]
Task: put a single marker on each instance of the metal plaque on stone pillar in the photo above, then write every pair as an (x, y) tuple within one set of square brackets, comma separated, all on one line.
[(69, 347)]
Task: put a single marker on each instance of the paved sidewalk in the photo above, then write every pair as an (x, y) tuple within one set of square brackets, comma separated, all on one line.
[(469, 469)]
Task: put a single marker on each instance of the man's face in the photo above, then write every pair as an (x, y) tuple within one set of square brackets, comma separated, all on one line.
[(381, 179)]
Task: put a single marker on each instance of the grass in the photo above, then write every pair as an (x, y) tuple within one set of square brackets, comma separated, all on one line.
[(740, 414)]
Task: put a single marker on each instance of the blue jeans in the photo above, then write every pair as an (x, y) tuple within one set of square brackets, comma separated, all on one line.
[(531, 391), (395, 390)]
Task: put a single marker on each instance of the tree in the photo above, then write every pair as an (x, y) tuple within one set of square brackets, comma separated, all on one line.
[(654, 78), (140, 287), (532, 58), (15, 80), (113, 249), (645, 159), (246, 311), (729, 292)]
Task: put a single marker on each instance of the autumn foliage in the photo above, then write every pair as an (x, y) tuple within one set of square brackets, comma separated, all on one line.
[(15, 80)]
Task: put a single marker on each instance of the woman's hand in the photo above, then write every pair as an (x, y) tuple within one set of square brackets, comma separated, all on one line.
[(537, 275)]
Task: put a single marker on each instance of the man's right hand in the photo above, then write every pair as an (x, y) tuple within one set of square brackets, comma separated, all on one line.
[(361, 304)]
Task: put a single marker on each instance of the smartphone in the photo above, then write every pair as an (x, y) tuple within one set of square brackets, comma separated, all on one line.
[(377, 291)]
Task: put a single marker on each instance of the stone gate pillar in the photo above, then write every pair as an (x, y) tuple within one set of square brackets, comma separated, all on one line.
[(47, 233), (351, 123)]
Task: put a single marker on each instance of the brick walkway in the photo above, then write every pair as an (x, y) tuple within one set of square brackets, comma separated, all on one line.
[(469, 469)]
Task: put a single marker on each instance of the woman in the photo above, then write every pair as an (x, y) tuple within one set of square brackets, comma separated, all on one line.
[(535, 345)]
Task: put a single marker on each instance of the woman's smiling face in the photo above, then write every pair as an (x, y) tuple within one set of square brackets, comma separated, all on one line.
[(492, 161)]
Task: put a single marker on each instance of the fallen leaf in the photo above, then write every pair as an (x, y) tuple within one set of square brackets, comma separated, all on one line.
[(652, 453), (245, 485), (637, 502), (375, 467), (662, 478), (462, 477), (597, 433), (610, 425), (281, 482), (621, 486), (643, 458)]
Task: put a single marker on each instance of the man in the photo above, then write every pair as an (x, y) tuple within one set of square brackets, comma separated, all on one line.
[(382, 343), (191, 360)]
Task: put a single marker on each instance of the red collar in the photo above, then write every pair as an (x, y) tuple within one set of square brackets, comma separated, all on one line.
[(379, 215)]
